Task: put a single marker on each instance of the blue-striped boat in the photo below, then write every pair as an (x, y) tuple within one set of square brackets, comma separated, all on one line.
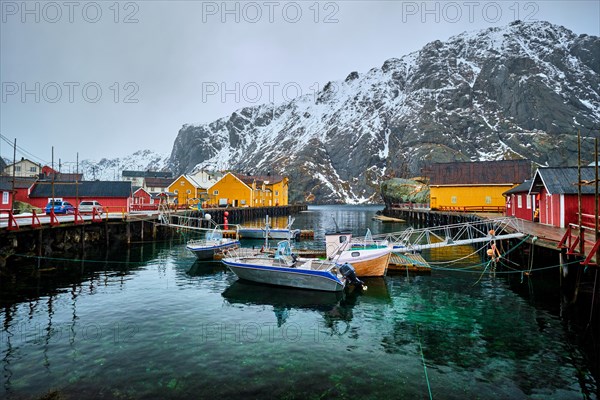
[(285, 269), (213, 244)]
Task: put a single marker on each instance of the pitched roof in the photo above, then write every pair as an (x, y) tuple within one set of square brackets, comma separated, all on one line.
[(563, 180), (62, 177), (259, 179), (5, 186), (158, 182), (522, 188), (146, 174), (84, 189), (479, 172), (20, 182), (23, 159)]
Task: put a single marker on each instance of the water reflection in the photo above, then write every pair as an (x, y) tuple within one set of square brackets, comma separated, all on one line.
[(115, 326), (283, 300), (205, 268)]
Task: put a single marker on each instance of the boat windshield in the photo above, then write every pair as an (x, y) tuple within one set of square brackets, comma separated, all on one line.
[(283, 249), (214, 235)]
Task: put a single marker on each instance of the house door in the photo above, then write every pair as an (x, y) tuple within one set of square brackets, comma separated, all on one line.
[(235, 203)]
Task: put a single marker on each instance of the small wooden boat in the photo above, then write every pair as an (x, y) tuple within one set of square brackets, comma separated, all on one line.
[(213, 244), (285, 269), (368, 257)]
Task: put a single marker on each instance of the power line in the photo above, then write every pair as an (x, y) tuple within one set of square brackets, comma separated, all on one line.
[(22, 151)]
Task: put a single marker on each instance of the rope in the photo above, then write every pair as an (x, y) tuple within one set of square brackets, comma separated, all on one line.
[(424, 365), (459, 259)]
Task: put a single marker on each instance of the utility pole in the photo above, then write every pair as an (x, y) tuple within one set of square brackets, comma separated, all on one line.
[(12, 201)]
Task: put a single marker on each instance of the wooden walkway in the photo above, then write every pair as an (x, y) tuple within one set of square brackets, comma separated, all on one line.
[(547, 236)]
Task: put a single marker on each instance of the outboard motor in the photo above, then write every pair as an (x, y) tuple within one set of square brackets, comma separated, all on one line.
[(347, 270)]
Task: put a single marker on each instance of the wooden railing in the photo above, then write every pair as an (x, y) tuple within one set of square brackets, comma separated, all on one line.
[(470, 209)]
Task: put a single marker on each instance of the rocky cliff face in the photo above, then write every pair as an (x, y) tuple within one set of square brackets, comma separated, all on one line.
[(523, 90)]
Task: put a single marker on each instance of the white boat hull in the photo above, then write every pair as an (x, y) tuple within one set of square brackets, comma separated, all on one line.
[(207, 251), (255, 270), (275, 234)]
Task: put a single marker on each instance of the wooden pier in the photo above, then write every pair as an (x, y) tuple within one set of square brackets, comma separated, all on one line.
[(402, 262), (71, 235)]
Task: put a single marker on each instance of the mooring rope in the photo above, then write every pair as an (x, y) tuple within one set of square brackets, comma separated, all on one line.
[(458, 259), (424, 365)]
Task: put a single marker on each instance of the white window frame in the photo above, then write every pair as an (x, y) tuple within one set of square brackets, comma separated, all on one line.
[(5, 197), (519, 201)]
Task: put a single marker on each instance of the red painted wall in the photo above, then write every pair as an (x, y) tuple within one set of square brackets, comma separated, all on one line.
[(571, 209), (550, 209), (22, 195), (110, 204), (513, 209), (3, 206)]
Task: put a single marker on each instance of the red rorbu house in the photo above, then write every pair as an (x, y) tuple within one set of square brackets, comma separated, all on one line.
[(558, 199), (521, 204), (115, 196), (143, 200), (5, 196), (22, 186)]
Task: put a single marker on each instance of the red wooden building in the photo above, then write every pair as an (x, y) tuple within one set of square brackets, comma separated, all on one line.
[(520, 203), (5, 195), (143, 200), (557, 190), (115, 196)]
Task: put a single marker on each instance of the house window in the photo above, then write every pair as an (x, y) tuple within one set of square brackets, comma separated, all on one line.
[(215, 192), (176, 191), (277, 193), (182, 183), (243, 202), (18, 168), (32, 169), (528, 202), (4, 197), (188, 191), (488, 199), (519, 201), (453, 200)]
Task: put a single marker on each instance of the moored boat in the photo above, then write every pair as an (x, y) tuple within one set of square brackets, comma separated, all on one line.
[(268, 232), (213, 244), (368, 257), (285, 269)]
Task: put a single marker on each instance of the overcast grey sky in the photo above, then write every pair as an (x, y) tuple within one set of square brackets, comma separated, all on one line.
[(107, 78)]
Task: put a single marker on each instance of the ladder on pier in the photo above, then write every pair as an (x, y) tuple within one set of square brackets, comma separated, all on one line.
[(413, 240)]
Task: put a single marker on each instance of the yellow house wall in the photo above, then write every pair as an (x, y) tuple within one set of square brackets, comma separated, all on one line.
[(282, 189), (182, 186), (230, 188), (465, 196)]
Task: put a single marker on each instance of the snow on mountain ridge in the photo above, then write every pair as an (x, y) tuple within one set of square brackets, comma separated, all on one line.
[(477, 95)]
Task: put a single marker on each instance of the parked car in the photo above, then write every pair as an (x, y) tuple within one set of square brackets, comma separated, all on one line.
[(88, 206), (60, 207)]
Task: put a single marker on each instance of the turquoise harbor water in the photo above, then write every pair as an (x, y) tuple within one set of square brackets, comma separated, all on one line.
[(152, 323)]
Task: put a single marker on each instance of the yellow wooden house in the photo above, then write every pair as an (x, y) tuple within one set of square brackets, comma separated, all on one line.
[(187, 190), (239, 190), (472, 186)]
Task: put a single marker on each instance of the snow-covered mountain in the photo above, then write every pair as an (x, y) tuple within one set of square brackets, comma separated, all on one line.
[(111, 169), (523, 90)]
